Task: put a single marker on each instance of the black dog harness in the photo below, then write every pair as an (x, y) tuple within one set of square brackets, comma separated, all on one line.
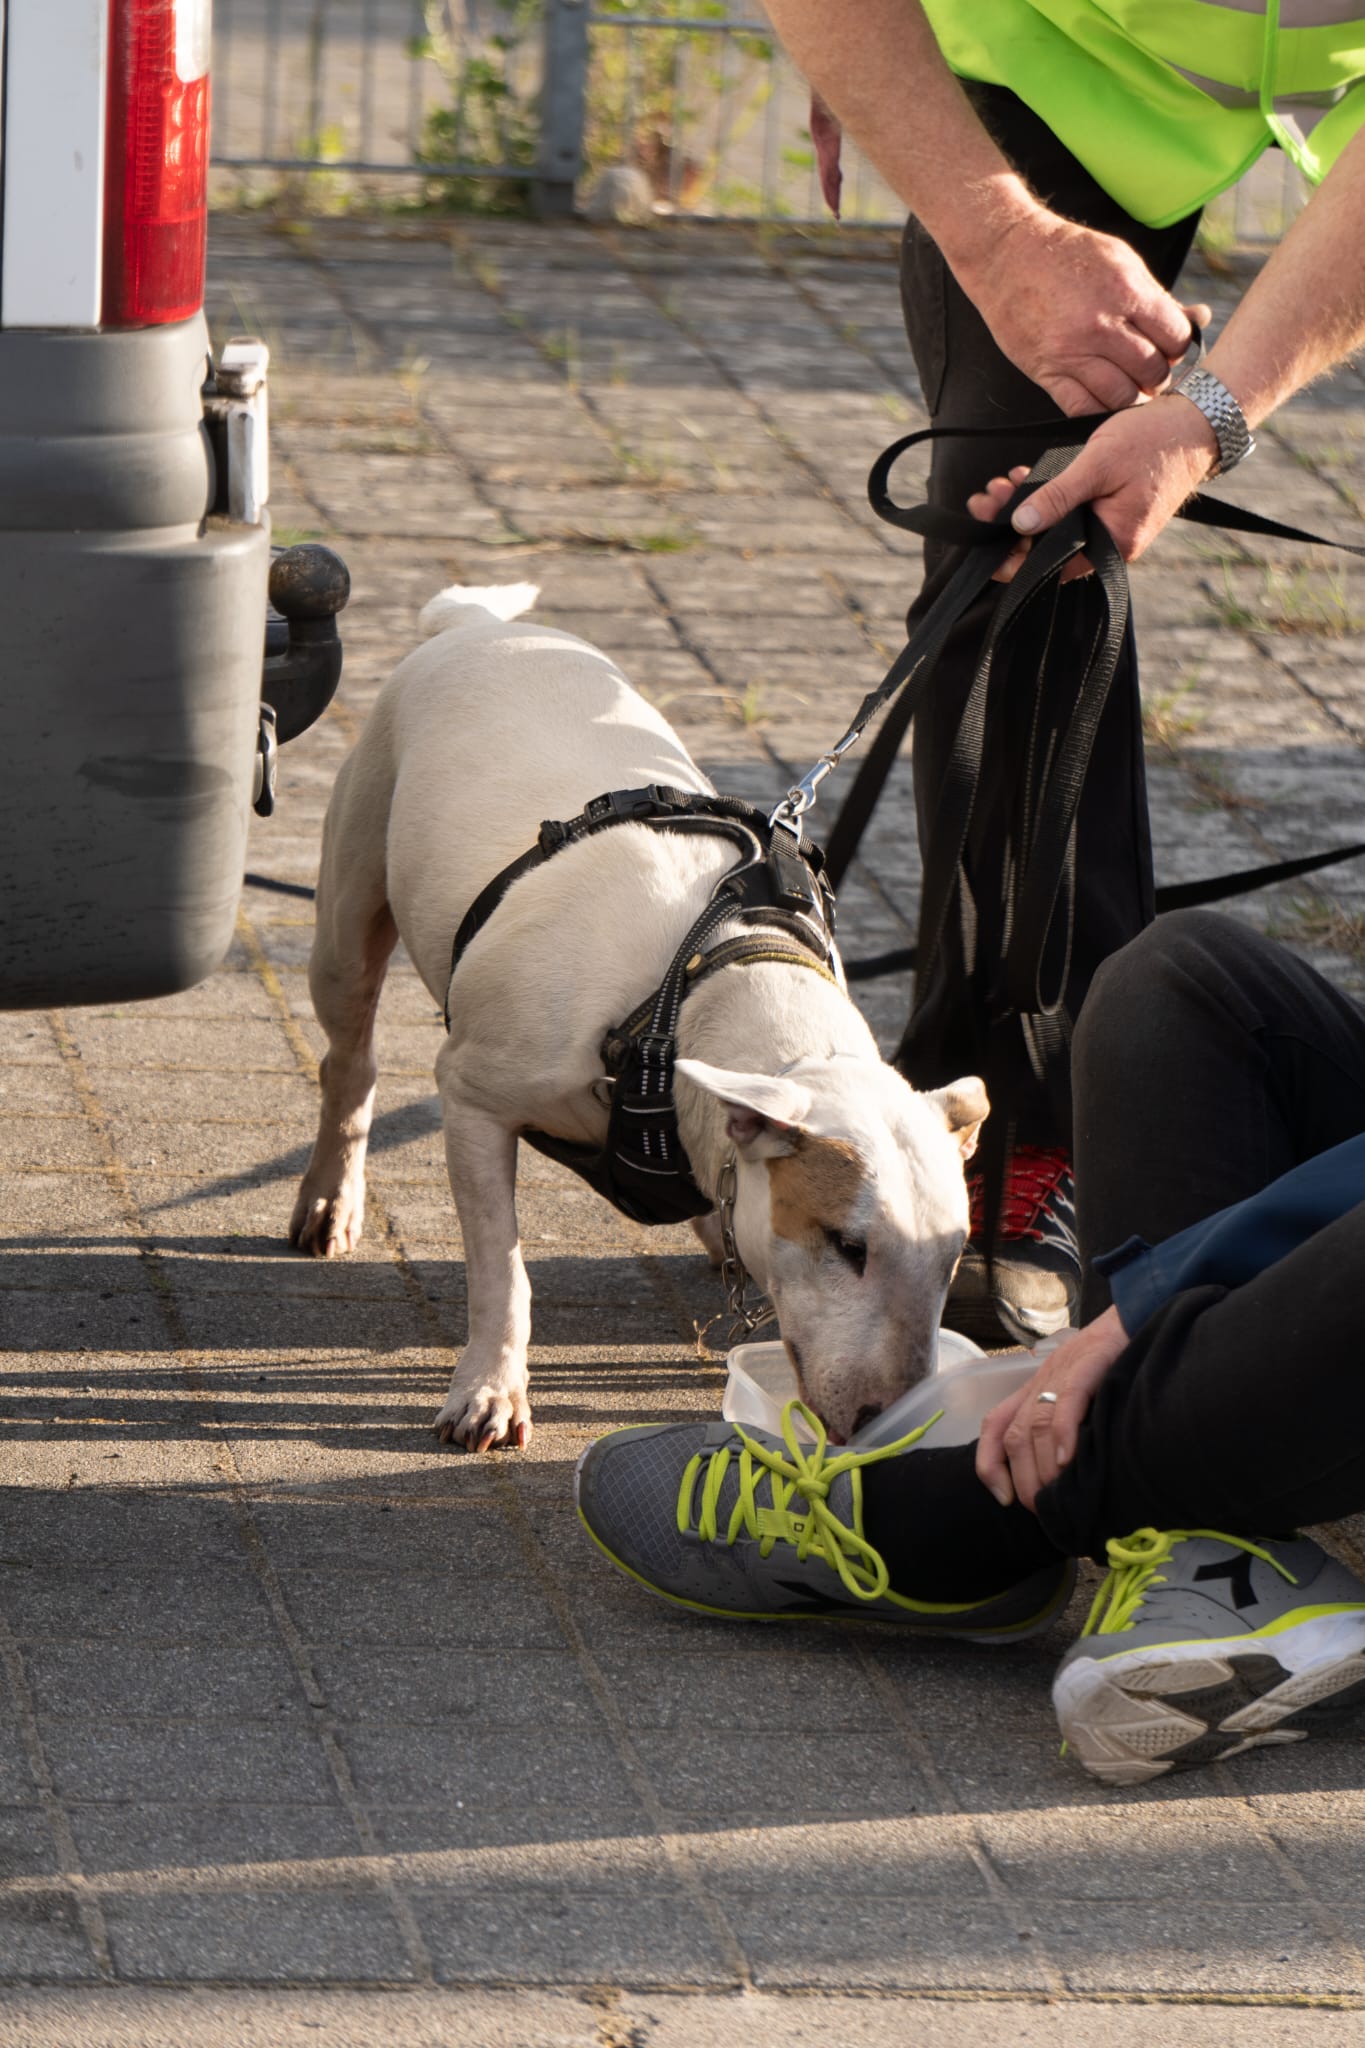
[(777, 885)]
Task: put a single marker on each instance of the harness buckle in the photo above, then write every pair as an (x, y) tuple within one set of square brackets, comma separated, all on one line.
[(629, 804)]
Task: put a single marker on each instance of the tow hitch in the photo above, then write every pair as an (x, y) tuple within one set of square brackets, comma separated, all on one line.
[(309, 584)]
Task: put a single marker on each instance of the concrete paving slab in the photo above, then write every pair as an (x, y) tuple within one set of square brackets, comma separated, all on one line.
[(524, 2018), (569, 1933), (261, 1936), (214, 1846)]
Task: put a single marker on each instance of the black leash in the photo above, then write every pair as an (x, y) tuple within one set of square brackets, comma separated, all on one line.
[(280, 888), (909, 673)]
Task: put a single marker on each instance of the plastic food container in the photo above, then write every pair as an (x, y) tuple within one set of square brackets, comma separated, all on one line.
[(966, 1385)]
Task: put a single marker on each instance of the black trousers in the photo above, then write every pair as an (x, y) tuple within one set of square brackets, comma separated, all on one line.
[(1208, 1061), (968, 382)]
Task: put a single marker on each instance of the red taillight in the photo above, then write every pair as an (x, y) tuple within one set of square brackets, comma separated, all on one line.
[(156, 166)]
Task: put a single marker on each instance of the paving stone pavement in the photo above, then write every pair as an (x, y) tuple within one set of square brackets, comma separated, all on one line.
[(311, 1728)]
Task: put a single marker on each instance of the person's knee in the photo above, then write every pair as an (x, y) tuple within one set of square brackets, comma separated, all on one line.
[(1180, 953), (1153, 998)]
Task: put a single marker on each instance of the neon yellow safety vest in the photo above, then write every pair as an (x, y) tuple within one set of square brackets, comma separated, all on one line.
[(1167, 102)]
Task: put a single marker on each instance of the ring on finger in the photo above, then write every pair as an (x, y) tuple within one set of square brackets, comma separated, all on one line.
[(1047, 1395)]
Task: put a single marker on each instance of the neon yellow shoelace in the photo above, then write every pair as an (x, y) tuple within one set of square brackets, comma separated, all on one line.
[(1134, 1563), (816, 1531)]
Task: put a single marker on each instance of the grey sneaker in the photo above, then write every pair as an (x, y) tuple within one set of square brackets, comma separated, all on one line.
[(1200, 1645), (737, 1522)]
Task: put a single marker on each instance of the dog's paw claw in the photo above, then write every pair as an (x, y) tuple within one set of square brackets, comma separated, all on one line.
[(327, 1227), (483, 1420)]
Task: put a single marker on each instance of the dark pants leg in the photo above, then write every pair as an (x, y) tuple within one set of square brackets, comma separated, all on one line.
[(968, 382), (1208, 1062)]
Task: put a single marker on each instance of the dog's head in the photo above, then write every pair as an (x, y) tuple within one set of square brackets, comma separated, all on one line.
[(851, 1211)]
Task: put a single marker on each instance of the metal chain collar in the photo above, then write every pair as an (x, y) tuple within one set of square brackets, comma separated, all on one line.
[(733, 1274)]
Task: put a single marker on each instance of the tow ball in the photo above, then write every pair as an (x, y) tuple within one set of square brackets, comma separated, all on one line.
[(309, 584)]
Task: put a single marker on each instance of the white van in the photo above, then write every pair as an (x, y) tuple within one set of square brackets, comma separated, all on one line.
[(134, 535)]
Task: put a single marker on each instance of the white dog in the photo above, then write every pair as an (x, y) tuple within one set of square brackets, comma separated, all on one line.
[(850, 1206)]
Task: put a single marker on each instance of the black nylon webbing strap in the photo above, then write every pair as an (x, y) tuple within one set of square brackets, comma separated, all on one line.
[(665, 808), (1170, 896), (912, 666)]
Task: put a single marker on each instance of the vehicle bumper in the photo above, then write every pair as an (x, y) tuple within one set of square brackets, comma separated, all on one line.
[(131, 634)]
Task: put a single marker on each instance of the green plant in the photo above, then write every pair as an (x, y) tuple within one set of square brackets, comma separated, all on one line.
[(488, 123), (650, 93), (1212, 787), (1167, 719), (661, 540), (1289, 601), (668, 540), (1316, 921), (749, 709), (563, 346)]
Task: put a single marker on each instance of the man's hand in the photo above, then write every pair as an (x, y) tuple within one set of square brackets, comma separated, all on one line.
[(1137, 470), (1025, 1442), (1079, 312)]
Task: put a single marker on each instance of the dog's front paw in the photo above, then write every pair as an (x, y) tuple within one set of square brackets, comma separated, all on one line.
[(487, 1415), (326, 1226)]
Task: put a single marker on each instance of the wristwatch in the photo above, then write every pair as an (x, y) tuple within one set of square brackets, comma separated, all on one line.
[(1223, 414)]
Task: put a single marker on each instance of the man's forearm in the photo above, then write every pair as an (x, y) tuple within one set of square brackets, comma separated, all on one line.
[(877, 64), (1305, 312)]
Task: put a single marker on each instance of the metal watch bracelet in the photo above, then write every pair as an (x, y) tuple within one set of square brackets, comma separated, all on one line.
[(1212, 397)]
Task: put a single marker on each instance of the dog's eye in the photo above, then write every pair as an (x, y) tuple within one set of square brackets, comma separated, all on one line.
[(851, 1250)]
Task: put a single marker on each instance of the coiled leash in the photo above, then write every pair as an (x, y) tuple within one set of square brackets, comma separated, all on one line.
[(1027, 1025), (987, 545)]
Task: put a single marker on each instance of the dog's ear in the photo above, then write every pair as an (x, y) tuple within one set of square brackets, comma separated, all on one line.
[(964, 1107), (765, 1110)]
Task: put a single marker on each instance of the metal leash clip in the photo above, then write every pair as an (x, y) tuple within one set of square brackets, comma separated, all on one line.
[(801, 797)]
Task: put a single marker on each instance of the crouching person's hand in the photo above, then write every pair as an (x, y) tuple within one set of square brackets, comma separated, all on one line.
[(1025, 1442)]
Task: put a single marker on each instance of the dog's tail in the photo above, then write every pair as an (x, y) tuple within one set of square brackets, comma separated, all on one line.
[(460, 604)]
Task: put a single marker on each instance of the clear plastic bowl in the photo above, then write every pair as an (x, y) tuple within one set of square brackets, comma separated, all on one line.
[(966, 1385)]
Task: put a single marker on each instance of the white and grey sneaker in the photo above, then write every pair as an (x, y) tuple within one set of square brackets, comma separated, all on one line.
[(1199, 1646), (738, 1522)]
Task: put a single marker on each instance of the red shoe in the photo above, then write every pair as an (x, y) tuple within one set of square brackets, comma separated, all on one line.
[(1035, 1288)]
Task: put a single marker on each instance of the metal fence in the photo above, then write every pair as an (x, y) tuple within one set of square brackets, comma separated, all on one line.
[(532, 101), (539, 96)]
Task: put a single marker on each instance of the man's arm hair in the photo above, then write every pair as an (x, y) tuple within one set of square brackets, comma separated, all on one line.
[(878, 67)]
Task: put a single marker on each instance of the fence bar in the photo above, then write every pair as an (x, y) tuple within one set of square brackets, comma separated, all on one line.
[(272, 72), (361, 167), (560, 157), (705, 24), (368, 41), (419, 27)]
